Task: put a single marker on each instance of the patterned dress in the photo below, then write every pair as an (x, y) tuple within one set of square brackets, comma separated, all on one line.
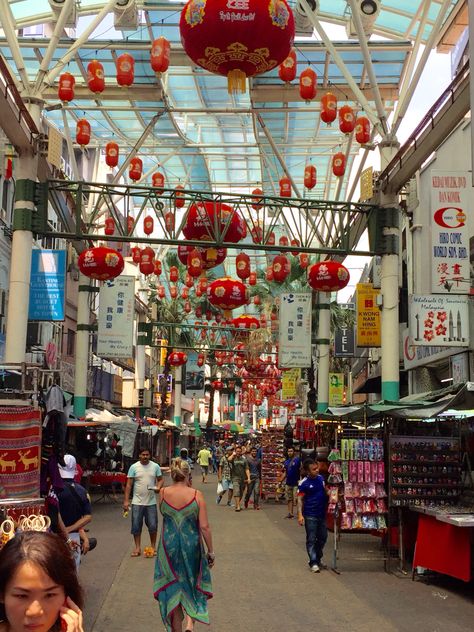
[(182, 576)]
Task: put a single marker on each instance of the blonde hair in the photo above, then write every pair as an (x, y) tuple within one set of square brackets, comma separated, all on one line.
[(180, 470)]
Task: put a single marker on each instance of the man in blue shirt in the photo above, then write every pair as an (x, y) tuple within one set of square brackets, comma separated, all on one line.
[(291, 475), (312, 503)]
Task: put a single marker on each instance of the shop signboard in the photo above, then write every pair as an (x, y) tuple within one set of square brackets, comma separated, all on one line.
[(441, 320), (295, 330), (289, 381), (47, 285), (194, 377), (344, 342), (415, 356), (460, 368), (368, 316), (115, 322), (450, 205), (336, 389)]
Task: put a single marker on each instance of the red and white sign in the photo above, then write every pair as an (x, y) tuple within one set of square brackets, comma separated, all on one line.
[(439, 320), (450, 192)]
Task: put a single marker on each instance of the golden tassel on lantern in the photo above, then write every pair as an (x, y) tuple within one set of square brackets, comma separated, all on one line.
[(236, 82)]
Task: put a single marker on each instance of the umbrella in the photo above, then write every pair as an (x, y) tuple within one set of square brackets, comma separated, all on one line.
[(232, 427)]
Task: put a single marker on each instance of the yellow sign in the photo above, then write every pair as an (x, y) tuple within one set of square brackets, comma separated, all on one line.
[(164, 346), (289, 383), (55, 146), (368, 316), (366, 184), (336, 389)]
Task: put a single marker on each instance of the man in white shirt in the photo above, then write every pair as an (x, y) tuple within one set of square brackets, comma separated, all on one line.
[(146, 478)]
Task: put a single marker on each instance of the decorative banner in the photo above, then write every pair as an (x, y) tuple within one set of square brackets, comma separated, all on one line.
[(289, 383), (336, 389), (450, 205), (115, 323), (368, 316), (47, 285), (194, 379), (344, 342), (439, 320), (295, 330)]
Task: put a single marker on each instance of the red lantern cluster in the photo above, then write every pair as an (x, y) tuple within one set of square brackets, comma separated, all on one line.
[(101, 263), (83, 132), (227, 293), (177, 358), (125, 66), (308, 84), (111, 154), (328, 108), (287, 69), (328, 276), (203, 216), (66, 87), (95, 76), (160, 54)]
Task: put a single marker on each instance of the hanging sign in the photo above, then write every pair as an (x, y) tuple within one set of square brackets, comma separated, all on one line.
[(336, 389), (47, 285), (450, 205), (414, 356), (368, 316), (344, 342), (289, 383), (194, 378), (115, 323), (295, 330), (439, 320)]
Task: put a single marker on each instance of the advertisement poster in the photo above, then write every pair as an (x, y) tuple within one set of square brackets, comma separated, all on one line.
[(115, 322), (194, 378), (336, 389), (295, 330), (289, 382), (47, 285), (440, 320), (450, 198), (368, 316)]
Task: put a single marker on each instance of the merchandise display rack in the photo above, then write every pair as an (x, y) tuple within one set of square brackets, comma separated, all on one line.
[(272, 461)]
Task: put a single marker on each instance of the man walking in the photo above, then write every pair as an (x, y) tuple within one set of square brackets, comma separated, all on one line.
[(291, 476), (224, 477), (312, 504), (255, 467), (146, 478), (239, 470), (203, 457)]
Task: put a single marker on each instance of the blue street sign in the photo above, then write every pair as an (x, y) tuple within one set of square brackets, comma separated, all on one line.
[(47, 285)]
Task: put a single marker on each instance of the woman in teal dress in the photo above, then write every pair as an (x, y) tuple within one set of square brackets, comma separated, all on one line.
[(182, 582)]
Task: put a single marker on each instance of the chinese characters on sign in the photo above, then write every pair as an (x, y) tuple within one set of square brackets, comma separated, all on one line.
[(368, 316), (450, 193), (439, 320), (295, 330), (48, 284), (116, 312)]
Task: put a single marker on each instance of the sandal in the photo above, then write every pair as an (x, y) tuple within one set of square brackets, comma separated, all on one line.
[(135, 554)]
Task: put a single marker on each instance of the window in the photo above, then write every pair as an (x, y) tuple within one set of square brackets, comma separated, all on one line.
[(70, 342)]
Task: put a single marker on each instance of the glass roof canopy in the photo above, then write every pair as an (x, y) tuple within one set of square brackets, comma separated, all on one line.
[(203, 137)]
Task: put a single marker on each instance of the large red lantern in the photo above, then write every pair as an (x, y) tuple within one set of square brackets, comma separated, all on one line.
[(148, 225), (66, 87), (328, 108), (130, 224), (211, 257), (160, 54), (179, 196), (135, 169), (328, 276), (147, 261), (339, 164), (194, 263), (227, 294), (281, 268), (177, 358), (258, 202), (287, 69), (125, 70), (237, 39), (285, 187), (203, 217), (242, 265), (310, 176), (246, 322), (83, 132), (111, 154), (346, 119), (170, 221), (308, 84), (101, 263), (95, 76), (109, 226), (135, 252), (158, 181), (362, 130)]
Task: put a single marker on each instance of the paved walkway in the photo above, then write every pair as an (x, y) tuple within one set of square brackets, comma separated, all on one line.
[(262, 583)]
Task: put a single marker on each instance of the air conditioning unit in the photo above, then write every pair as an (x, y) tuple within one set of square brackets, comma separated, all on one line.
[(368, 11), (58, 5), (303, 25), (126, 15)]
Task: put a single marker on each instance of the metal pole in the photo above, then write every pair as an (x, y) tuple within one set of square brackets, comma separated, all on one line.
[(197, 425), (178, 383), (81, 361), (323, 340), (140, 358)]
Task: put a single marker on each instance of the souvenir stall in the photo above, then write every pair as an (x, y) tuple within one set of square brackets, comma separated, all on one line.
[(272, 441)]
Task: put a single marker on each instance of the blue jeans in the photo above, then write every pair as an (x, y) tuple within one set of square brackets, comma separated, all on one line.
[(316, 536), (147, 512)]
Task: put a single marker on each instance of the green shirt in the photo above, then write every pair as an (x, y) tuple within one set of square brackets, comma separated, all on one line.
[(238, 467), (203, 457)]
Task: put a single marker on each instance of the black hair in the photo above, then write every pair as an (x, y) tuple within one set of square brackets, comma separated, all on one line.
[(307, 463)]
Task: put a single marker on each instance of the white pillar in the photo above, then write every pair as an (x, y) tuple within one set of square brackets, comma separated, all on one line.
[(81, 361), (178, 389), (323, 340), (140, 357)]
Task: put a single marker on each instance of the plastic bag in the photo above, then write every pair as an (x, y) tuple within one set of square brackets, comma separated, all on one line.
[(220, 489)]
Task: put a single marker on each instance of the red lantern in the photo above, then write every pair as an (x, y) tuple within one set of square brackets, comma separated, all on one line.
[(169, 221), (185, 292), (203, 217), (174, 274), (179, 196), (281, 268), (157, 267), (242, 265), (130, 224), (198, 292), (202, 284), (295, 243), (285, 187), (125, 70), (160, 54), (147, 261), (304, 260), (200, 359), (66, 87), (148, 225), (135, 252), (158, 181), (257, 234), (308, 84), (246, 322), (177, 358), (328, 276), (188, 281), (287, 69), (227, 294), (362, 130), (198, 311), (310, 176), (328, 108), (111, 154), (257, 300), (270, 241), (135, 168), (109, 226), (269, 273), (101, 263), (187, 307), (237, 39), (161, 291), (173, 291), (283, 241), (212, 257), (258, 202), (95, 76), (217, 385), (83, 132), (339, 164), (253, 278), (346, 119), (194, 263)]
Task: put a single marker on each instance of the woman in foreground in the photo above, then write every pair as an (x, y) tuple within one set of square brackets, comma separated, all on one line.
[(182, 583), (39, 589)]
